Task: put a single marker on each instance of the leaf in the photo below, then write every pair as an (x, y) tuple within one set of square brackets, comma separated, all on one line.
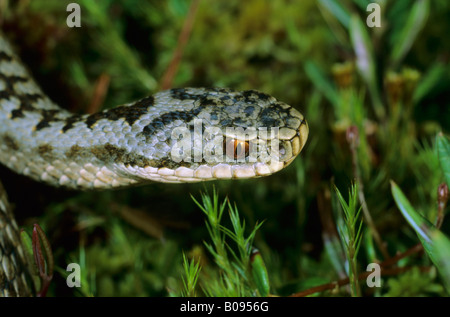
[(259, 273), (27, 245), (434, 242), (339, 12), (28, 248), (416, 21), (365, 61), (362, 4), (413, 218), (191, 273), (443, 148), (429, 80), (321, 82), (442, 255), (363, 49)]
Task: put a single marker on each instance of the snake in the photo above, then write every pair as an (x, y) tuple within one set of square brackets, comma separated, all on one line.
[(174, 136)]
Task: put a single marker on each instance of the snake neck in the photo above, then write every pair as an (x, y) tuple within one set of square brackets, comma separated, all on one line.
[(49, 144), (37, 136)]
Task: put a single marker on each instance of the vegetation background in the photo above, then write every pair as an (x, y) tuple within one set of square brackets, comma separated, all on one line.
[(375, 99)]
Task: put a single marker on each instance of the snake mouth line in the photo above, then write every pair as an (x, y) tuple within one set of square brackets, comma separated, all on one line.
[(172, 172), (216, 171), (213, 144)]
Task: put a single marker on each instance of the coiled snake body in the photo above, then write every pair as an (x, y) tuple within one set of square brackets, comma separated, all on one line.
[(179, 135)]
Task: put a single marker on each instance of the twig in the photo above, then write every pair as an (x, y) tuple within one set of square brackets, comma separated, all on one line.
[(141, 220), (385, 270), (362, 276), (169, 75), (393, 260), (101, 87)]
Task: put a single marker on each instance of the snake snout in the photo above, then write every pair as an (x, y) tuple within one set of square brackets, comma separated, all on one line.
[(291, 148), (303, 132)]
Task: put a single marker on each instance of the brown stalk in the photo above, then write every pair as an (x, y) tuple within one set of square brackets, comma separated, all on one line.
[(169, 75), (362, 276), (101, 88), (385, 271)]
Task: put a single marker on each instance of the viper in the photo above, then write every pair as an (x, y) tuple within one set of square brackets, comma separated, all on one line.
[(174, 136)]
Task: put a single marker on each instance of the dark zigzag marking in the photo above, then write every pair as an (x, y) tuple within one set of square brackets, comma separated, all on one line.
[(26, 100), (5, 57), (130, 113), (270, 116), (109, 153)]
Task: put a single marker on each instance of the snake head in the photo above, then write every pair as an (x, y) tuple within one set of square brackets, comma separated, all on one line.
[(206, 134)]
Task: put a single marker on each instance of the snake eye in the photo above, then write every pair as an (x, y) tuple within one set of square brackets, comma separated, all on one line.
[(236, 149)]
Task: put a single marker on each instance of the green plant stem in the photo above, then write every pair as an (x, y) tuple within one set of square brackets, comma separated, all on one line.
[(353, 277), (357, 174), (351, 236)]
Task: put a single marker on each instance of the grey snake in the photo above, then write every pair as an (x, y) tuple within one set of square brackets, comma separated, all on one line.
[(174, 136)]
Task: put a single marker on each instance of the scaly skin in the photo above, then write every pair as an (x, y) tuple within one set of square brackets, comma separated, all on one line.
[(135, 143)]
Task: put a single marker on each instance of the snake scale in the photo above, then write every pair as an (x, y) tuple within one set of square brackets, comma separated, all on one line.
[(135, 143)]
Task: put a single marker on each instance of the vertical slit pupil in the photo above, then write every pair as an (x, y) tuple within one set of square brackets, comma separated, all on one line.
[(241, 149), (237, 148)]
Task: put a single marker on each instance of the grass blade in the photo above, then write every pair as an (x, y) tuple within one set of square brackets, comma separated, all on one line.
[(259, 273), (434, 242), (338, 11), (321, 82), (430, 79), (365, 61), (416, 21)]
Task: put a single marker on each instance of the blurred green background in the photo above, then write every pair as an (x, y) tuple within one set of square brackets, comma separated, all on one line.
[(389, 84)]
